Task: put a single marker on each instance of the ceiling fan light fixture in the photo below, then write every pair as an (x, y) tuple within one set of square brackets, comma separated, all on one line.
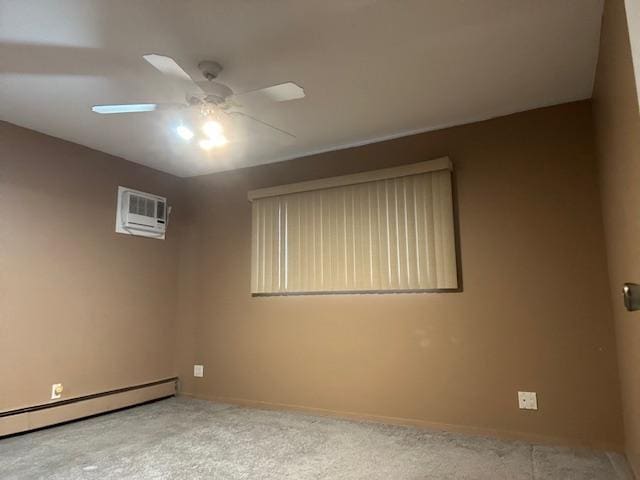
[(206, 144), (209, 143), (184, 132), (212, 129), (220, 140)]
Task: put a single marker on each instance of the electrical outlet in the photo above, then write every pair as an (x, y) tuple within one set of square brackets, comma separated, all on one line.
[(528, 400), (56, 391), (198, 370)]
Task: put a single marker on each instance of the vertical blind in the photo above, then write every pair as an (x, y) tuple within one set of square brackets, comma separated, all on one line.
[(391, 234)]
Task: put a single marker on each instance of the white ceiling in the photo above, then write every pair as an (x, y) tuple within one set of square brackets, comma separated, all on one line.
[(371, 69)]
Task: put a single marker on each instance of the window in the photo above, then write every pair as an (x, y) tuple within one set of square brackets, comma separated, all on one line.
[(385, 230)]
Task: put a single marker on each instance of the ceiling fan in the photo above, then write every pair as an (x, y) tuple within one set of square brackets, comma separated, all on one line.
[(214, 99)]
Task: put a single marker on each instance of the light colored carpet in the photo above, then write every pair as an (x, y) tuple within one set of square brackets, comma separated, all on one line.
[(182, 438)]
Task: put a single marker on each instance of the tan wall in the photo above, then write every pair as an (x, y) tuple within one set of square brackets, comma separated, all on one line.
[(95, 310), (534, 314), (618, 139), (79, 304)]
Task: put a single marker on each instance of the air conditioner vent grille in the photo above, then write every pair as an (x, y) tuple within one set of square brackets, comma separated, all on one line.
[(142, 206)]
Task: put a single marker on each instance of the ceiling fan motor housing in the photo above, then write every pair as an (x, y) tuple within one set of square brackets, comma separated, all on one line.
[(210, 69)]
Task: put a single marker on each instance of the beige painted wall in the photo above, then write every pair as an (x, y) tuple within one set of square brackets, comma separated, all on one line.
[(618, 137), (79, 304), (96, 310), (535, 313)]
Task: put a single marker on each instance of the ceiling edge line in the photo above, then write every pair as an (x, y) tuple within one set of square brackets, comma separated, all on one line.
[(393, 136)]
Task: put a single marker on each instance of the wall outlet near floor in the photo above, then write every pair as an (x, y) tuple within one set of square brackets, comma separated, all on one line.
[(528, 400), (56, 391), (198, 370)]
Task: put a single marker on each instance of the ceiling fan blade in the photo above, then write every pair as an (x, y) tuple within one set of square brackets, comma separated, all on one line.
[(235, 112), (135, 107), (168, 66), (282, 92)]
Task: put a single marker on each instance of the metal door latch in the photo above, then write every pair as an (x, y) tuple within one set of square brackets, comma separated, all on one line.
[(631, 293)]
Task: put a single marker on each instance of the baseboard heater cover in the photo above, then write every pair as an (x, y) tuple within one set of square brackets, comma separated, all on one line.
[(38, 416)]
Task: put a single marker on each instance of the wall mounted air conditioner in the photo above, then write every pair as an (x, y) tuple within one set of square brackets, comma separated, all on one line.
[(140, 213)]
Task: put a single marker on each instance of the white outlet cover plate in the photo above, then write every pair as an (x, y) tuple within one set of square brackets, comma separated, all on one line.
[(528, 400), (198, 370), (54, 394)]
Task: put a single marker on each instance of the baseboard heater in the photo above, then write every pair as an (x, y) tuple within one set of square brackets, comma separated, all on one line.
[(46, 414)]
